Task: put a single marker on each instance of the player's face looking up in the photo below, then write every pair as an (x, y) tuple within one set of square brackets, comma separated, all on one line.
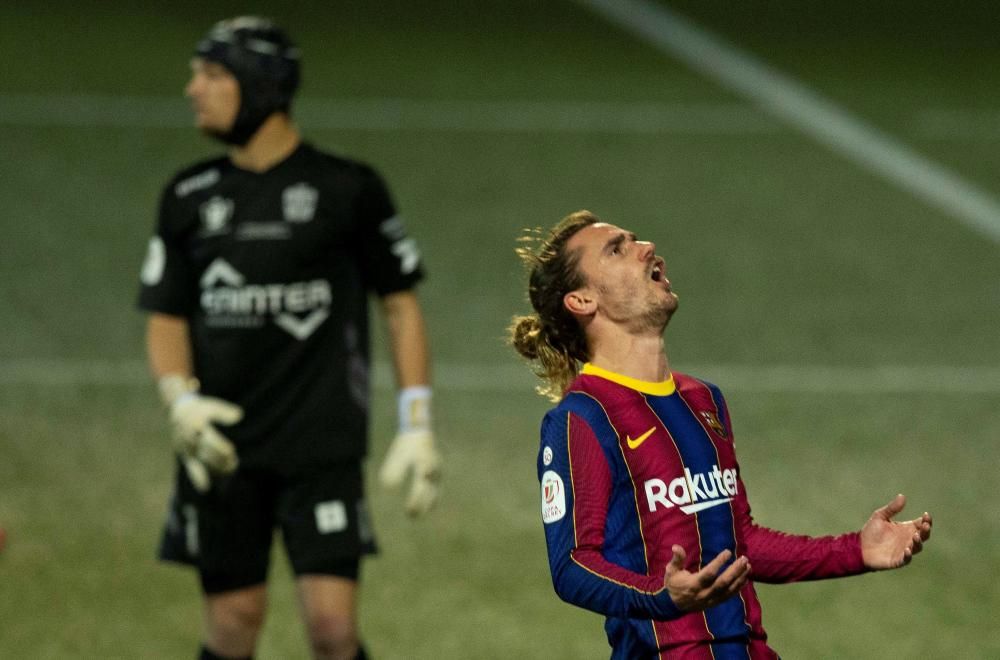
[(625, 281), (214, 94)]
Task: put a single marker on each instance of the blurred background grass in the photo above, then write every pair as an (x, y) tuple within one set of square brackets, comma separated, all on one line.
[(785, 255)]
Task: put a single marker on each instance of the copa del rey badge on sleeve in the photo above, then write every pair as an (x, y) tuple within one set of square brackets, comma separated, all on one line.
[(553, 497)]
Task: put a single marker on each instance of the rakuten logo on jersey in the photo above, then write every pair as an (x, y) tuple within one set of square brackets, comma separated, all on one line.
[(296, 307), (692, 492)]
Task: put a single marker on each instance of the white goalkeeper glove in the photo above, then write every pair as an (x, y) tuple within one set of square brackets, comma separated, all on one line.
[(413, 451), (200, 446)]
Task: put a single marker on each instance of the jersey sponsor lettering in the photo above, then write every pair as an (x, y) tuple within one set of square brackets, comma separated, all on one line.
[(692, 492), (296, 307), (267, 299), (197, 182), (263, 231)]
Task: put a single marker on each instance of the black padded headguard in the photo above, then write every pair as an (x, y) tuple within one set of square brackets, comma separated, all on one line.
[(264, 62)]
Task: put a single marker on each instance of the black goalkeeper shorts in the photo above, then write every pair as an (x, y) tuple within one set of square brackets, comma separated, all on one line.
[(226, 533)]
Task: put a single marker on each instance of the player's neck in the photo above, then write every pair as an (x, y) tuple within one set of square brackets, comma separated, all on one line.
[(273, 142), (643, 357)]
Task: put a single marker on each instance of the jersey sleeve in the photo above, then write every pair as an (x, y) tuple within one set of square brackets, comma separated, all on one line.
[(165, 278), (778, 557), (391, 261), (576, 488)]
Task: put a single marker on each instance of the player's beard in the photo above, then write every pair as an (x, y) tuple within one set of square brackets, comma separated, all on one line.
[(657, 316), (651, 317)]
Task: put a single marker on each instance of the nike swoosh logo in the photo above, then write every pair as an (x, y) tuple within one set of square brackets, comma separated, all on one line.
[(632, 444)]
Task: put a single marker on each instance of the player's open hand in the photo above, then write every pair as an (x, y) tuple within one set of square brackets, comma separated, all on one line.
[(201, 447), (887, 544), (693, 592), (413, 454)]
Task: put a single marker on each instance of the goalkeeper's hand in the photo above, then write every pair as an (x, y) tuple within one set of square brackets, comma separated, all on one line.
[(200, 446), (413, 453)]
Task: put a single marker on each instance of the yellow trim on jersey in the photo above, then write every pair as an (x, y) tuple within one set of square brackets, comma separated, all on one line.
[(663, 388), (572, 486), (614, 581)]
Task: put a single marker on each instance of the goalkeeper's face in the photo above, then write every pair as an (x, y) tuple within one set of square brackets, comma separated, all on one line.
[(214, 94)]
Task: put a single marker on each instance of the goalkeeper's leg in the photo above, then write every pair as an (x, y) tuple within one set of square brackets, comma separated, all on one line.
[(326, 530), (233, 621), (330, 613)]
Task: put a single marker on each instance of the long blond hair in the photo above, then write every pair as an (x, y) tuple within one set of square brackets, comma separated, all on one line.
[(551, 338)]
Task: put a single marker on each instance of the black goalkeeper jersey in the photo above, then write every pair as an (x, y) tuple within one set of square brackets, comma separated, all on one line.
[(272, 271)]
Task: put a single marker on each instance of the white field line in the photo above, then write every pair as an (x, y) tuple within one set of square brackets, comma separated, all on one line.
[(389, 114), (809, 112), (399, 114), (515, 377)]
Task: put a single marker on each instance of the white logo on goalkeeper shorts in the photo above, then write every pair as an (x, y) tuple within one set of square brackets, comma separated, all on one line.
[(553, 497), (365, 534), (190, 529), (299, 202), (331, 517), (547, 456), (692, 492)]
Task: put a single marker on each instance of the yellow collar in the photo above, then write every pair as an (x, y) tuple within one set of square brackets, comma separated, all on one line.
[(664, 388)]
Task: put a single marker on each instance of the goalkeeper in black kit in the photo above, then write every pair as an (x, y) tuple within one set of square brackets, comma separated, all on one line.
[(257, 281)]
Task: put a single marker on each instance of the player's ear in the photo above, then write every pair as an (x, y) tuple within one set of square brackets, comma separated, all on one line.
[(580, 302)]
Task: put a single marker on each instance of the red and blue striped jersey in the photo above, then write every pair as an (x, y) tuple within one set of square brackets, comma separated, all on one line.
[(630, 468)]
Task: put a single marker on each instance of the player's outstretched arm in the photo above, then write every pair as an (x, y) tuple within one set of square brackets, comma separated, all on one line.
[(694, 592), (887, 544)]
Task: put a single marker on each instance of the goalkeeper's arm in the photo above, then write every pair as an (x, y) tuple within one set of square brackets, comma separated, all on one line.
[(412, 450), (199, 444)]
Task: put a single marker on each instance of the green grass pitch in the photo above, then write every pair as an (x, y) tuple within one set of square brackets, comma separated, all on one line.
[(785, 254)]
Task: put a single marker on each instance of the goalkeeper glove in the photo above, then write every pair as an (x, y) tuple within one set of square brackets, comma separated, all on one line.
[(413, 451), (200, 446)]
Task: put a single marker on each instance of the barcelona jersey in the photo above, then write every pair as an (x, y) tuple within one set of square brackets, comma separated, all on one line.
[(630, 468)]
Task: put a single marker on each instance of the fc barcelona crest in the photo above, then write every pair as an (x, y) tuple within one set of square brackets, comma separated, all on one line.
[(299, 202), (712, 421)]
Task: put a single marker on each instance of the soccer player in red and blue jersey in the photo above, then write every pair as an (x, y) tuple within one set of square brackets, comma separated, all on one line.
[(645, 512)]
